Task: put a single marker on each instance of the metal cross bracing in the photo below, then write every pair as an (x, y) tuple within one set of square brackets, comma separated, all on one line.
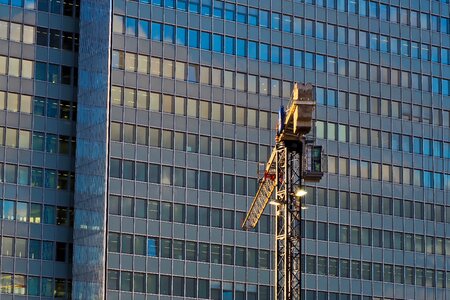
[(293, 161), (288, 221)]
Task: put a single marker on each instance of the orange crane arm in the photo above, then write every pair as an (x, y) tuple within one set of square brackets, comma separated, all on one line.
[(266, 188)]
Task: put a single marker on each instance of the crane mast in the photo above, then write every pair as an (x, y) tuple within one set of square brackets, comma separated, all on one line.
[(293, 161)]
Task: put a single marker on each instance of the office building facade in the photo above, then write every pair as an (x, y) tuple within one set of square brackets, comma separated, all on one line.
[(175, 103), (38, 77)]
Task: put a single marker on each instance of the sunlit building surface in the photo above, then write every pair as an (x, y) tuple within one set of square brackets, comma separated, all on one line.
[(175, 103)]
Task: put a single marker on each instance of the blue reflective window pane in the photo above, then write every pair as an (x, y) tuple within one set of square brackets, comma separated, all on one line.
[(39, 106), (205, 41), (47, 254), (49, 214), (169, 33), (37, 177), (253, 16), (352, 5), (41, 71), (436, 85), (230, 10), (363, 7), (193, 38), (331, 4), (252, 50), (53, 73), (444, 25), (320, 63), (444, 56), (217, 43), (331, 98), (287, 56), (152, 247), (156, 31), (241, 14), (169, 3), (18, 3), (194, 6), (33, 286), (276, 21), (182, 36), (42, 5), (298, 58), (9, 212), (275, 54), (157, 2), (241, 48), (438, 182), (373, 9), (417, 145), (309, 61), (445, 87), (264, 52), (435, 54), (55, 7), (206, 7), (437, 148), (143, 29), (181, 5), (52, 108), (229, 45), (406, 143), (50, 179), (130, 26), (427, 149), (218, 9), (51, 143), (264, 18), (427, 179)]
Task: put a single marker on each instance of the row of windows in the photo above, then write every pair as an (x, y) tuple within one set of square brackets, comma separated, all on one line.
[(37, 177), (311, 61), (36, 213), (383, 107), (375, 238), (39, 106), (386, 12), (63, 7), (57, 39), (385, 172), (17, 32), (36, 249), (39, 141), (56, 73), (188, 250), (188, 142), (16, 67), (286, 23), (184, 286), (192, 108), (200, 74), (203, 180), (371, 137), (54, 108), (375, 271), (181, 213), (319, 30), (35, 286), (379, 205)]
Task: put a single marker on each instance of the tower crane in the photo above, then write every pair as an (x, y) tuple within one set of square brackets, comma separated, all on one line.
[(293, 161)]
